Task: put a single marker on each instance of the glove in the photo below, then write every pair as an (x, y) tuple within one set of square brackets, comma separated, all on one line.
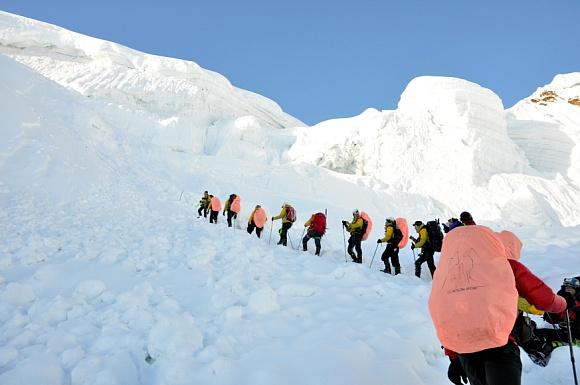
[(223, 213), (379, 240), (272, 218), (570, 302), (455, 372), (344, 223), (413, 246)]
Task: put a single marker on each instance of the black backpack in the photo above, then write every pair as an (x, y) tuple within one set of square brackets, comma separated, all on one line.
[(397, 235), (435, 235)]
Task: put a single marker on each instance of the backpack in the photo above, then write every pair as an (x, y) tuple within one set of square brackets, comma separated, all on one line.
[(473, 300), (318, 223), (235, 204), (290, 214), (401, 224), (397, 235), (435, 235), (367, 225)]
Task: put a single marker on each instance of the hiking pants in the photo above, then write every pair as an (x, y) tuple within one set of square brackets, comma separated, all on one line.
[(284, 233), (355, 242), (200, 209), (496, 366), (252, 226), (231, 214), (316, 236), (392, 252), (213, 216), (425, 256)]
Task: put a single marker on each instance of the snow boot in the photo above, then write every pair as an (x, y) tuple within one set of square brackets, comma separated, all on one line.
[(397, 270)]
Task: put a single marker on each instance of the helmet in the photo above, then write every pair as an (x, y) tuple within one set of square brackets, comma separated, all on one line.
[(355, 212), (390, 219), (573, 282), (417, 223)]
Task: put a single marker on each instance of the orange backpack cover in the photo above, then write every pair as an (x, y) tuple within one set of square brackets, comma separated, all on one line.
[(473, 301), (260, 217), (216, 205), (235, 206), (366, 217), (404, 227), (511, 243)]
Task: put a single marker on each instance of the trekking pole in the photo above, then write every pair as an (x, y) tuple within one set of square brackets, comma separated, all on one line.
[(344, 242), (302, 236), (414, 259), (180, 195), (290, 239), (374, 255), (571, 349), (271, 226)]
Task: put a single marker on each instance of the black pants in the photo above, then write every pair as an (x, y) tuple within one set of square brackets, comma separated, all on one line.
[(252, 226), (200, 209), (355, 242), (391, 252), (213, 216), (316, 236), (497, 366), (284, 233), (231, 214), (426, 255)]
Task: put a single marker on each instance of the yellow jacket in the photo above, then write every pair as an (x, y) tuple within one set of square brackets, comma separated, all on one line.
[(389, 233), (204, 201), (355, 225), (423, 237), (281, 215), (227, 205), (308, 222), (252, 216)]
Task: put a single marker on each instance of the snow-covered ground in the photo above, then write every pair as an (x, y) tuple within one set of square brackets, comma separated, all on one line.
[(108, 277)]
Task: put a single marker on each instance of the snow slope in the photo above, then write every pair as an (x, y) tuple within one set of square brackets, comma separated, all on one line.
[(107, 277)]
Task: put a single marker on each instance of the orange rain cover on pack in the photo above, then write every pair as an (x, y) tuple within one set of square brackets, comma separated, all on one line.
[(235, 206), (473, 301), (511, 243), (260, 217), (366, 217), (216, 205), (402, 225)]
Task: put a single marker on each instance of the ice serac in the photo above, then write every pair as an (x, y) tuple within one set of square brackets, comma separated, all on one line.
[(546, 126), (445, 133), (459, 109)]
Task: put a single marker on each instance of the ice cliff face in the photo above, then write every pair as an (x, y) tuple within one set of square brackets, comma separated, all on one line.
[(546, 126)]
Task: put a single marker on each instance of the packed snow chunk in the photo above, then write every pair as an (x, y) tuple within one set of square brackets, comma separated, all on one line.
[(176, 336), (38, 369), (88, 290), (263, 301), (18, 294), (113, 369)]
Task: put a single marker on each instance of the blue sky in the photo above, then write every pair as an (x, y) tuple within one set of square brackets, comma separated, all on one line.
[(327, 59)]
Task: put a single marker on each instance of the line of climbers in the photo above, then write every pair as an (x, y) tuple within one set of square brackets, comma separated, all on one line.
[(480, 297), (396, 231)]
